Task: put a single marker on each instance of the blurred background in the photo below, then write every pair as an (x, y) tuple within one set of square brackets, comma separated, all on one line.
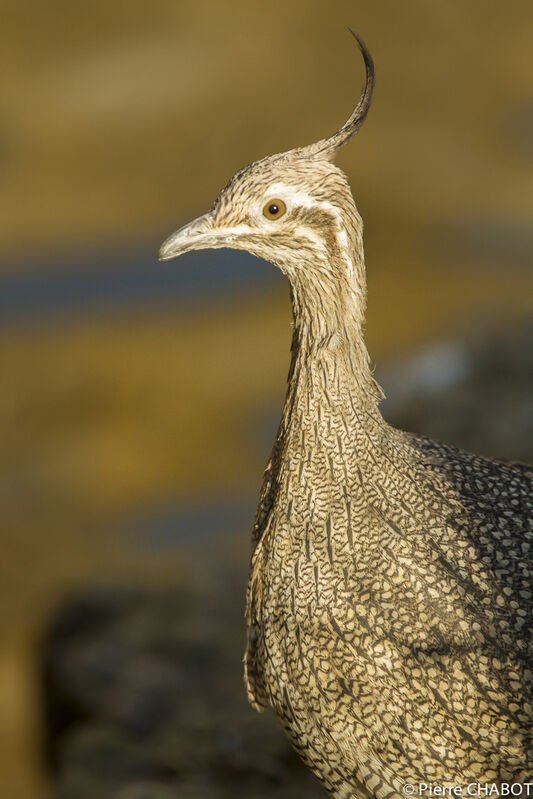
[(139, 400)]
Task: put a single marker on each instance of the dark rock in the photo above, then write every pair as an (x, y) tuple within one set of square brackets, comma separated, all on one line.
[(476, 395), (145, 699)]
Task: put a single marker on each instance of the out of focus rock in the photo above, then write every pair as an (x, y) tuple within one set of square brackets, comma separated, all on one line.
[(145, 700), (476, 395)]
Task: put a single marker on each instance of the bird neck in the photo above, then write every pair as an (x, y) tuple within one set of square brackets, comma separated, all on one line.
[(330, 385), (328, 347)]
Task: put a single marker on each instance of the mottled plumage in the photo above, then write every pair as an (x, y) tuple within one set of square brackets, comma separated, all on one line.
[(390, 595)]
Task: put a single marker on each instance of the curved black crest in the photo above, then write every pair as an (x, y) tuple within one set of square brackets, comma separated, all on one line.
[(326, 148)]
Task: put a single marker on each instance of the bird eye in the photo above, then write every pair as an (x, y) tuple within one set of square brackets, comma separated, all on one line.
[(274, 209)]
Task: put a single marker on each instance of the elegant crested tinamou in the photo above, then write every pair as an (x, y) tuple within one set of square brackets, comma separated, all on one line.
[(390, 597)]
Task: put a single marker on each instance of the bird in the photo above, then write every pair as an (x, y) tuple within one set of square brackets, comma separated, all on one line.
[(389, 602)]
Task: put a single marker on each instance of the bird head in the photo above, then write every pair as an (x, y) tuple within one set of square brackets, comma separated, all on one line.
[(294, 209)]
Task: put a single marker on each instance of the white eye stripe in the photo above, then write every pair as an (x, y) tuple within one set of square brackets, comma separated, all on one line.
[(293, 196), (298, 197), (343, 239), (306, 233), (235, 230)]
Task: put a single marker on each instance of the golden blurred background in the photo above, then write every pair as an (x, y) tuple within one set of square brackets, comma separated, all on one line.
[(130, 386)]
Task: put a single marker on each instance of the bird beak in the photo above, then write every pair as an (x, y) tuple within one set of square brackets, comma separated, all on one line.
[(197, 235)]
